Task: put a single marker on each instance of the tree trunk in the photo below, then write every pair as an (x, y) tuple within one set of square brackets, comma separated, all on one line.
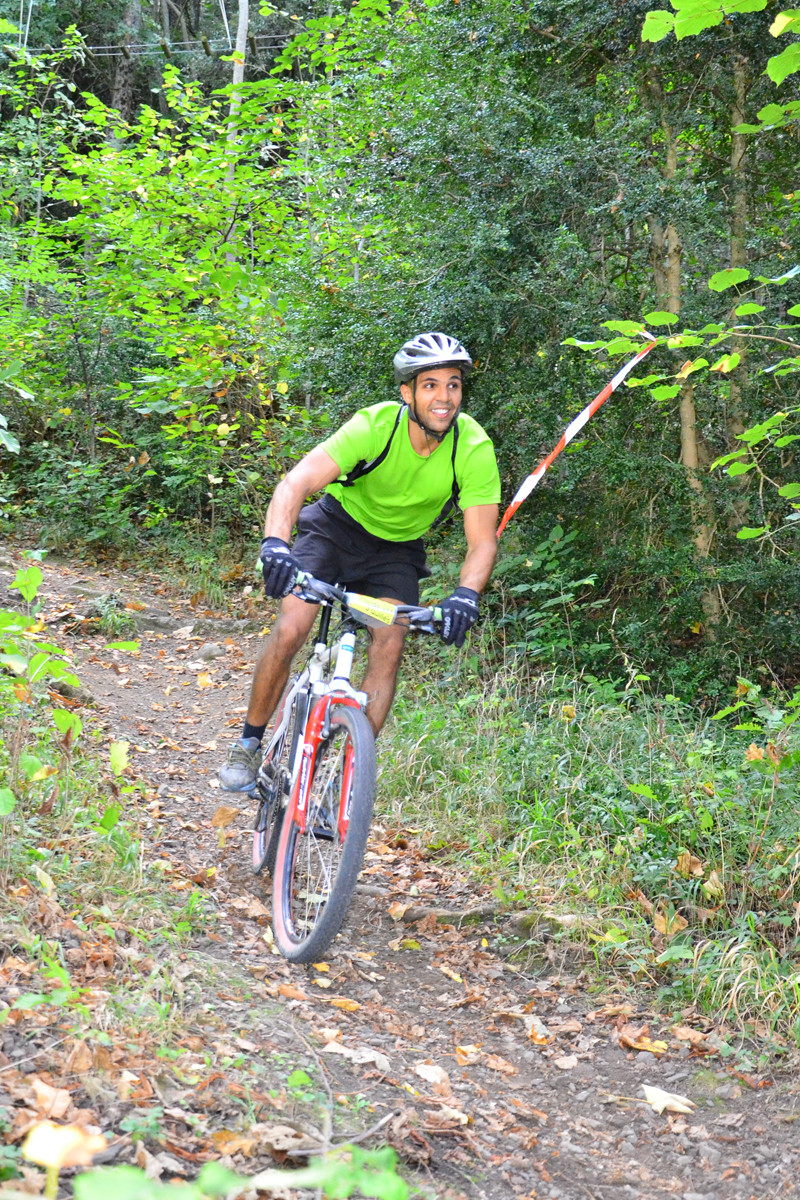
[(666, 251), (738, 232), (122, 91), (239, 56)]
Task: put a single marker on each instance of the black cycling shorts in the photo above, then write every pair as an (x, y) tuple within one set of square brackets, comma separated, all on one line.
[(333, 546)]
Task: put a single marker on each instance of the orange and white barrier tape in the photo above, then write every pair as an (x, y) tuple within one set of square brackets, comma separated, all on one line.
[(569, 433)]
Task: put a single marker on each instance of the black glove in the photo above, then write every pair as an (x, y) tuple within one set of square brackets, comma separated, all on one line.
[(279, 567), (459, 613)]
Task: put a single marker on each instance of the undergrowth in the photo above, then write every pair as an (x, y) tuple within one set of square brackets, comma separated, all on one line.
[(72, 865), (672, 837)]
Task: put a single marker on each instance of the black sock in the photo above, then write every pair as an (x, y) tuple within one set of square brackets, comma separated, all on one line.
[(256, 731)]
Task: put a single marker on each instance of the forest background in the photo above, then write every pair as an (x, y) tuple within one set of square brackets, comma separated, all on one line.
[(217, 226)]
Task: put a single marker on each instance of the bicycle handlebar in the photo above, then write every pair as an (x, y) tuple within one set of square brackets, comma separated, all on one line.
[(366, 609)]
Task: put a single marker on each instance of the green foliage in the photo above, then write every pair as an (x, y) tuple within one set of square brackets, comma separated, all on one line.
[(197, 297), (617, 802), (348, 1171)]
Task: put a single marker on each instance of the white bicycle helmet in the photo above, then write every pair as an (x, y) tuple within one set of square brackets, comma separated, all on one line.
[(430, 350)]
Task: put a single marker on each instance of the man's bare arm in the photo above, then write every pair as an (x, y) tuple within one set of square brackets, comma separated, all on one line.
[(480, 525), (310, 475)]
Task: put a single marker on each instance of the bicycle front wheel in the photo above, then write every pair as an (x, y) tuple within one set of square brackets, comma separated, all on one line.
[(316, 871)]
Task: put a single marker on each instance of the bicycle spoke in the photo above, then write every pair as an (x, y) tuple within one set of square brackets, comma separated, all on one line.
[(317, 870)]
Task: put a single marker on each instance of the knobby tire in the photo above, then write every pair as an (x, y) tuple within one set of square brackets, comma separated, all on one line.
[(316, 872)]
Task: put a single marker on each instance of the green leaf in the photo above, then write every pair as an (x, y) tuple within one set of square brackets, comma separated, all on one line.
[(30, 764), (785, 63), (683, 339), (794, 311), (64, 721), (630, 327), (727, 363), (726, 458), (7, 801), (746, 310), (673, 953), (785, 21), (9, 442), (110, 817), (7, 27), (118, 755), (726, 712), (789, 491), (216, 1180), (771, 114), (739, 468), (641, 789), (748, 532), (27, 581), (30, 1000), (133, 647), (571, 341), (744, 6), (667, 392), (690, 23), (787, 275), (727, 278), (657, 25), (123, 1183), (660, 318)]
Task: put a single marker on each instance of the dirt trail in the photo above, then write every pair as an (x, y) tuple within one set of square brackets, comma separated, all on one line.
[(491, 1082)]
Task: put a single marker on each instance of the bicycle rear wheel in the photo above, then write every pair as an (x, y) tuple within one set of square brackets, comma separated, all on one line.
[(272, 789), (316, 872)]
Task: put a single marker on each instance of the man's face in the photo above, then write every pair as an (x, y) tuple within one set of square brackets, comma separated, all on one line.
[(438, 397)]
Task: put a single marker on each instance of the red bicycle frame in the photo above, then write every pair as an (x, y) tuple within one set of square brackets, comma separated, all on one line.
[(312, 737)]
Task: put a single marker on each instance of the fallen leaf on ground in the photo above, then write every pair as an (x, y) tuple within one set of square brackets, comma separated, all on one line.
[(466, 1055), (637, 1039), (616, 1010), (281, 1140), (688, 865), (291, 992), (251, 906), (713, 886), (204, 680), (80, 1059), (361, 1055), (669, 925), (571, 1025), (538, 1032), (659, 1100), (495, 1063), (228, 1142), (345, 1004), (51, 1102), (445, 1116), (397, 909), (435, 1075), (451, 974), (224, 816), (404, 943), (684, 1033)]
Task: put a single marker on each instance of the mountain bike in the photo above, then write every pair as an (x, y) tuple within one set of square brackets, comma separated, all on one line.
[(316, 784)]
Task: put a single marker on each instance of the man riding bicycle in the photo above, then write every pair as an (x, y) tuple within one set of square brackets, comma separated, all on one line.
[(388, 474)]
